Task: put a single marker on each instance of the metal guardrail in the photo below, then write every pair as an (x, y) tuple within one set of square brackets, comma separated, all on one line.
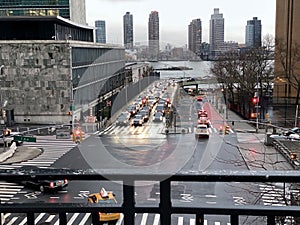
[(165, 207), (286, 152)]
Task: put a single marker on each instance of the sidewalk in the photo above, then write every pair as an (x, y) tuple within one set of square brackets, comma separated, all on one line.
[(251, 145)]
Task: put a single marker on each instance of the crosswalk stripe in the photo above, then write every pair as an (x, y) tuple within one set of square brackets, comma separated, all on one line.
[(75, 215), (12, 221), (81, 219), (7, 195), (144, 219), (272, 195), (85, 218), (50, 218), (130, 130), (156, 219), (4, 199), (39, 217), (180, 220)]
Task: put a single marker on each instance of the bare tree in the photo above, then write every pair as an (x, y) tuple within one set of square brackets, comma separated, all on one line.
[(245, 73)]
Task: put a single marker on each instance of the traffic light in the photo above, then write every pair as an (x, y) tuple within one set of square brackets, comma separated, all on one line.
[(3, 113), (255, 100), (253, 115), (293, 156), (6, 132), (227, 128)]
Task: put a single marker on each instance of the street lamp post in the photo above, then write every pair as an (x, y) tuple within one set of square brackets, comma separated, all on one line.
[(226, 102), (257, 106)]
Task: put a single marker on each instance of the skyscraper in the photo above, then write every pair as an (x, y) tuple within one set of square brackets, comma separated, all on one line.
[(195, 36), (73, 10), (100, 31), (128, 30), (153, 35), (253, 33), (216, 31)]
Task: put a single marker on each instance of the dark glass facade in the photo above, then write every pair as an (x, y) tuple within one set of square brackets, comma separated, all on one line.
[(35, 8)]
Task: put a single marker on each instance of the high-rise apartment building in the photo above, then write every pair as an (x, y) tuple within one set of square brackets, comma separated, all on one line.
[(128, 30), (195, 36), (73, 10), (100, 31), (153, 35), (216, 32), (253, 33), (287, 35)]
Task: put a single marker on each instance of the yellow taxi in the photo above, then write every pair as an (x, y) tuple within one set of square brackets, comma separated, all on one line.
[(104, 197)]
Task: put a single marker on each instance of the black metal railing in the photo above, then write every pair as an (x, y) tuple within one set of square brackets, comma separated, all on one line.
[(165, 208)]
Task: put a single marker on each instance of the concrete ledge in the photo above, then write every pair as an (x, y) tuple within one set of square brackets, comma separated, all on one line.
[(9, 153)]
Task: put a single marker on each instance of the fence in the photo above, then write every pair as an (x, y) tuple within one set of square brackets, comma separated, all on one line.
[(286, 149), (165, 207)]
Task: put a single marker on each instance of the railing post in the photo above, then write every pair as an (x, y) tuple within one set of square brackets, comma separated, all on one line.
[(165, 202), (234, 219), (271, 220), (199, 219), (30, 218), (1, 215), (128, 202), (62, 219)]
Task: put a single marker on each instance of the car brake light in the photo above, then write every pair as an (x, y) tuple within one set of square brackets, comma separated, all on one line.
[(66, 181), (51, 184)]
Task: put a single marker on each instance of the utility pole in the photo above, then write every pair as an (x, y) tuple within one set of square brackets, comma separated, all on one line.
[(257, 106)]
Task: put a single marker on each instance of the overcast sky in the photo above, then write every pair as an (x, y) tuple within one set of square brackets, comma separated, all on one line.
[(175, 16)]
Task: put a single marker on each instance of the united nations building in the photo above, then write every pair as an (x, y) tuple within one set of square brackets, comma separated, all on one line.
[(52, 71)]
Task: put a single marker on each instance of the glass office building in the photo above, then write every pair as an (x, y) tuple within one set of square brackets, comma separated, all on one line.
[(69, 9), (100, 31)]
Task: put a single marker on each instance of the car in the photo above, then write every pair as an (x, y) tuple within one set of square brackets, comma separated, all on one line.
[(132, 110), (123, 119), (102, 198), (294, 137), (285, 137), (158, 117), (201, 131), (160, 108), (147, 108), (294, 130), (204, 120), (137, 120), (202, 113), (47, 185), (145, 113)]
